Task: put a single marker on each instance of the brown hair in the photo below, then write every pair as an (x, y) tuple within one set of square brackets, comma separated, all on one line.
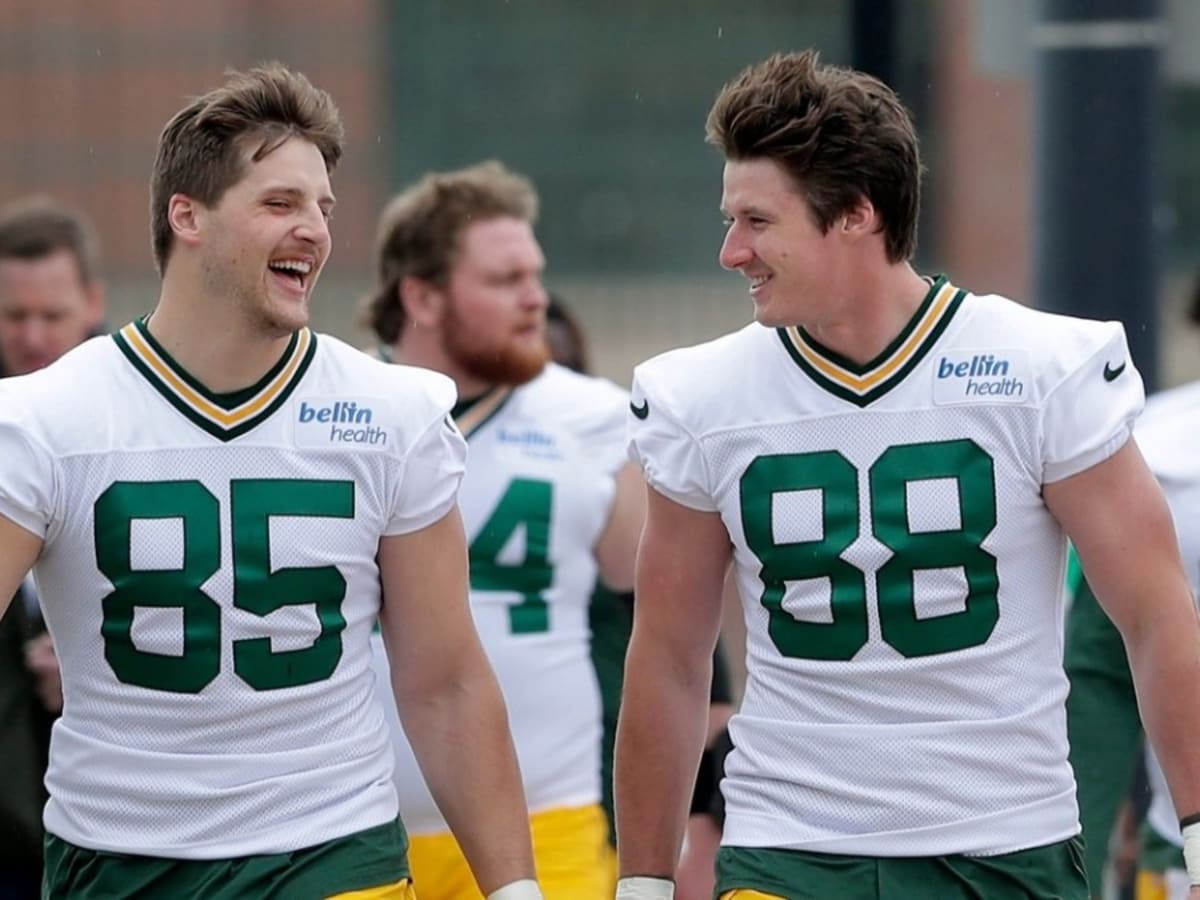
[(841, 134), (201, 150), (37, 227), (419, 231)]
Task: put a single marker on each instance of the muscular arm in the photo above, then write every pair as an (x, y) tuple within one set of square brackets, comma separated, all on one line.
[(19, 550), (1119, 522), (617, 547), (663, 724), (1103, 727), (449, 700)]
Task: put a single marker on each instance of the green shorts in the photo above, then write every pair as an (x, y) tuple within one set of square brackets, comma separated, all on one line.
[(355, 862), (1054, 872)]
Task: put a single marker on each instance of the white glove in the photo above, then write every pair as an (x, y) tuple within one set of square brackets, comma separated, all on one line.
[(642, 888), (525, 889)]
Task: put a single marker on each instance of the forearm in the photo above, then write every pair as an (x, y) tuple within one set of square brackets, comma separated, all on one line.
[(460, 736), (660, 736), (1164, 656), (1103, 726)]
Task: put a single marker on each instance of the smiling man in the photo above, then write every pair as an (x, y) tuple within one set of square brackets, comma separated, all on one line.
[(892, 465), (211, 563)]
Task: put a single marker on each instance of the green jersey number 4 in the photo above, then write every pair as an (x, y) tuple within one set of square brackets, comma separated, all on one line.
[(888, 479), (256, 589), (526, 504)]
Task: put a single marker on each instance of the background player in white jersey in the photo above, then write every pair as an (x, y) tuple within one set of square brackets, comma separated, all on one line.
[(549, 502), (1103, 710), (893, 465), (220, 505)]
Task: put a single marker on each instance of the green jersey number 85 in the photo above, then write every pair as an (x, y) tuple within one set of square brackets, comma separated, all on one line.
[(256, 589)]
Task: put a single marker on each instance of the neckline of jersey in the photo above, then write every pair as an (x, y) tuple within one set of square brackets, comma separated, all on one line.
[(861, 384), (223, 415)]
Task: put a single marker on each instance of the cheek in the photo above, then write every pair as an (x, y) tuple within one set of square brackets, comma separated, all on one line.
[(490, 307)]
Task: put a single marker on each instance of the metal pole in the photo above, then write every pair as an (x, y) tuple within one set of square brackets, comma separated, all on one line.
[(873, 39), (1096, 128)]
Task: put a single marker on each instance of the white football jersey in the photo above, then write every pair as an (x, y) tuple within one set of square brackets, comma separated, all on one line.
[(537, 496), (210, 583), (1169, 438), (900, 575)]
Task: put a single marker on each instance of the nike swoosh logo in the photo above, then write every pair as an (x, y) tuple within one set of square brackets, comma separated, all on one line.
[(640, 411), (1111, 374)]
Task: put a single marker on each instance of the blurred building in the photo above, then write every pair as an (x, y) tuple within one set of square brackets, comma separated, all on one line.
[(603, 104)]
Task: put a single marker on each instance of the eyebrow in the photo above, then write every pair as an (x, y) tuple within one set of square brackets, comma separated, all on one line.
[(747, 211)]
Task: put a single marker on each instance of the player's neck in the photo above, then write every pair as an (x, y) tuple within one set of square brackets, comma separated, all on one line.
[(872, 314), (222, 354), (419, 348)]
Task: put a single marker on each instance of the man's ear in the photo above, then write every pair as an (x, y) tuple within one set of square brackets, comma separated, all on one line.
[(94, 293), (423, 301), (860, 220), (185, 216)]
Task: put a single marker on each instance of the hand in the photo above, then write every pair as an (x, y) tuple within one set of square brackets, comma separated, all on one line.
[(42, 661), (1194, 892), (696, 874)]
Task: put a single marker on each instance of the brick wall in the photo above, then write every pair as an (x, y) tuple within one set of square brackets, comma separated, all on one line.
[(86, 86)]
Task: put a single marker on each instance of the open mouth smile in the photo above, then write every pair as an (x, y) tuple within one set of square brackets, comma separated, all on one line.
[(295, 270)]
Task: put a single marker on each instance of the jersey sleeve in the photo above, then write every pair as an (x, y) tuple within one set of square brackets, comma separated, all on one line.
[(669, 455), (1088, 416), (433, 470), (603, 432), (27, 476)]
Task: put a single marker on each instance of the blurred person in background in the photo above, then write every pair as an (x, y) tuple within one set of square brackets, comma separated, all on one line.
[(565, 336), (894, 466), (1102, 715), (550, 502), (51, 296), (611, 620), (221, 505), (51, 300)]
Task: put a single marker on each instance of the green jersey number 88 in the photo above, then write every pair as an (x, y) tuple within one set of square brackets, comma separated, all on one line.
[(888, 478)]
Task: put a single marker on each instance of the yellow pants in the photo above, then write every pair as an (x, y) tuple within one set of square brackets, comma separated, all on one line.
[(570, 848), (400, 890), (743, 894), (1169, 885)]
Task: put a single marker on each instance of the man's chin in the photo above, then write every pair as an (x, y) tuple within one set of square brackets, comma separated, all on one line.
[(286, 319), (511, 368)]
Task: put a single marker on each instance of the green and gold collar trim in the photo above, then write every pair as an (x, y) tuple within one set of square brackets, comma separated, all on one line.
[(471, 415), (224, 416), (863, 384)]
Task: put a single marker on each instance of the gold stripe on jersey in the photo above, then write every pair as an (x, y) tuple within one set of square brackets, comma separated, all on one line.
[(861, 384), (225, 416), (468, 415), (473, 418)]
